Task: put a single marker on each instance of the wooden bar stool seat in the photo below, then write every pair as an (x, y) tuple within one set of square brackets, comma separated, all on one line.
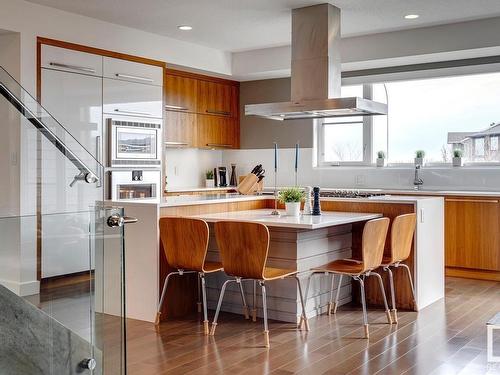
[(185, 243), (402, 232), (243, 249), (374, 236)]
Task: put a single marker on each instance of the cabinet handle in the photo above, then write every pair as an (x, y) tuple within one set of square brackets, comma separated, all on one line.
[(133, 112), (219, 145), (175, 144), (137, 78), (472, 200), (213, 112), (73, 67), (176, 107)]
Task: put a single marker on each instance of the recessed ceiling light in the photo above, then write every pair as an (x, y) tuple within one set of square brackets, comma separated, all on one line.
[(185, 27), (411, 16)]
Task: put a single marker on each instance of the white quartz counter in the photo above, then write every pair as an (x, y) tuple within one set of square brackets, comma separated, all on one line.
[(263, 216), (190, 200), (199, 189)]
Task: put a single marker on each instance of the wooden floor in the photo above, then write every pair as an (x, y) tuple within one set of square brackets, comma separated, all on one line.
[(448, 337)]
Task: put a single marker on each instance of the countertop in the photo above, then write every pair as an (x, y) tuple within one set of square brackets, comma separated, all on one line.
[(190, 200), (200, 189), (263, 216)]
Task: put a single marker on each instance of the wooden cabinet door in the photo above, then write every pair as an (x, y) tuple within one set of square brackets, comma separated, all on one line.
[(472, 233), (217, 99), (179, 129), (180, 93), (216, 132)]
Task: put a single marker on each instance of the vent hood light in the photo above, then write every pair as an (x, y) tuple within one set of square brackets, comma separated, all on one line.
[(412, 16), (316, 72)]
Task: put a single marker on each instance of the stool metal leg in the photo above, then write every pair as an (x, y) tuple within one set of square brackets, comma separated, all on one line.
[(264, 308), (303, 316), (243, 299), (382, 290), (393, 295), (199, 294), (254, 304), (363, 303), (221, 297), (330, 303), (163, 292), (336, 303), (205, 313)]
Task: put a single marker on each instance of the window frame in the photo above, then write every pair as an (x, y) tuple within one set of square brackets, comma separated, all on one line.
[(368, 77)]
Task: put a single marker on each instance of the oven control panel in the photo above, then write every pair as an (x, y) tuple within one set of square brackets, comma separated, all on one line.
[(137, 176)]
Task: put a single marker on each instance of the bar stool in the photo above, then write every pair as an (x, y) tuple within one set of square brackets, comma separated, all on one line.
[(243, 249), (373, 240), (185, 243), (402, 231)]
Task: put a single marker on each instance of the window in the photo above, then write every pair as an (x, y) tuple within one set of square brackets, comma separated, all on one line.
[(437, 115)]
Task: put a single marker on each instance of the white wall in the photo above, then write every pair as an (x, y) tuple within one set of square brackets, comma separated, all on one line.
[(449, 178), (185, 168)]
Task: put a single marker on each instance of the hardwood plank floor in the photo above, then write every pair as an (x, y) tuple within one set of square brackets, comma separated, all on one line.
[(448, 337)]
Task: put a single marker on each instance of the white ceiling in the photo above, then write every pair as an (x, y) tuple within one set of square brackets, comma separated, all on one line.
[(237, 25)]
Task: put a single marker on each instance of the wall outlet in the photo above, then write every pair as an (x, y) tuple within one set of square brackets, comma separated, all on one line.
[(359, 179)]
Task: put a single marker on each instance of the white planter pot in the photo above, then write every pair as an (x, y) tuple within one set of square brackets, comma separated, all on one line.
[(209, 183), (292, 209), (419, 161), (457, 162), (380, 162)]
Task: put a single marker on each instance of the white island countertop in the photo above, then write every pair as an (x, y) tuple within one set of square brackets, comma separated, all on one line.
[(263, 216), (190, 200)]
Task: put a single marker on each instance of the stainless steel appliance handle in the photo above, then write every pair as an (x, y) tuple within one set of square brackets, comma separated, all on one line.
[(133, 112), (137, 78), (167, 144), (176, 107), (98, 157), (73, 67), (214, 112), (116, 220), (219, 145)]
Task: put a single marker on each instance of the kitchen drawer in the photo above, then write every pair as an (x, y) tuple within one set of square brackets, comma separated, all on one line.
[(131, 99), (71, 61), (133, 72)]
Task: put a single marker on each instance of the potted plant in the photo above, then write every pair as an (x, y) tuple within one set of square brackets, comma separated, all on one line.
[(419, 157), (380, 158), (457, 158), (209, 179), (291, 197)]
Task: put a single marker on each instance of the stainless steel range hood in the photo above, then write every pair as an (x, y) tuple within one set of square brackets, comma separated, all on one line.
[(316, 72)]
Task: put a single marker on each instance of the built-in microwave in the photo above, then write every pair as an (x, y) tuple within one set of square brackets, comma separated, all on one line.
[(134, 143)]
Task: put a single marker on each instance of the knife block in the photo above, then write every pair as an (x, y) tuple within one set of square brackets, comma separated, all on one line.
[(249, 184)]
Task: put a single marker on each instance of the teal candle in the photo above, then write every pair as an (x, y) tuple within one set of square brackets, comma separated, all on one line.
[(296, 157), (275, 156)]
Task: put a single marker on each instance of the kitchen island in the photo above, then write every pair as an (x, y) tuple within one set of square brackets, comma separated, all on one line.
[(146, 266)]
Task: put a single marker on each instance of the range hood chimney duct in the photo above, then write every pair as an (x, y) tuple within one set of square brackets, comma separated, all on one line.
[(316, 72)]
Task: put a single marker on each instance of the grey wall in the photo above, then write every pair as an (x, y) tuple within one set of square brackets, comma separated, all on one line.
[(261, 133)]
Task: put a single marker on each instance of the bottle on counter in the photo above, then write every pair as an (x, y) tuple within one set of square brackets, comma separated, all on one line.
[(307, 203), (316, 211)]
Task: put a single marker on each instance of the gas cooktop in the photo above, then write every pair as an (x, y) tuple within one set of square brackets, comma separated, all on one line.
[(348, 194)]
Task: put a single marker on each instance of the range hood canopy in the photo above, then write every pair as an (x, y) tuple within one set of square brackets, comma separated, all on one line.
[(316, 74)]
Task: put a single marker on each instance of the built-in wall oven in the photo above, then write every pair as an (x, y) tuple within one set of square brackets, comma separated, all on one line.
[(135, 184), (134, 143)]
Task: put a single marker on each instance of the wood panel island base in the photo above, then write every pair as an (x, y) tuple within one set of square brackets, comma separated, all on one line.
[(291, 246)]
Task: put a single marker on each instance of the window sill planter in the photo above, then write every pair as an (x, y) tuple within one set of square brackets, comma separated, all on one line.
[(292, 209), (380, 162), (457, 162), (209, 183)]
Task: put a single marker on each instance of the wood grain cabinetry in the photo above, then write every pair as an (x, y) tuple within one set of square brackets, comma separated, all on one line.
[(472, 233), (200, 111)]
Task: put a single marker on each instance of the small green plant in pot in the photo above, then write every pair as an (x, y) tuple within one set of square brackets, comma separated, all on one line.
[(457, 158), (419, 157), (380, 158), (291, 197), (209, 179)]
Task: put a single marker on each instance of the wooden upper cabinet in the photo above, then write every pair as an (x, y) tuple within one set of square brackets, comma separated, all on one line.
[(472, 233), (180, 93), (217, 132), (179, 129), (218, 99)]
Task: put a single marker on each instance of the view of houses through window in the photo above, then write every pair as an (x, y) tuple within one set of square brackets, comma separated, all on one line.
[(437, 115)]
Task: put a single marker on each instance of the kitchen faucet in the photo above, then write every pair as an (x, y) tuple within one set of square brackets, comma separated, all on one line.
[(417, 181)]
